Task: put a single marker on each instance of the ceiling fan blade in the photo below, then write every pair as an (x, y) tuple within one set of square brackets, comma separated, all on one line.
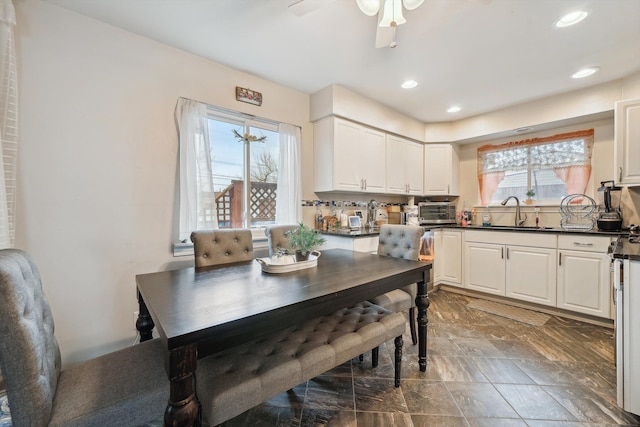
[(302, 7)]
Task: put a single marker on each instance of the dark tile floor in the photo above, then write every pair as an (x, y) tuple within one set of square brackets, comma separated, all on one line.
[(483, 370)]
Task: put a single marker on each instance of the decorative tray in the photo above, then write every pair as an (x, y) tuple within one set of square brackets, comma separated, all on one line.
[(268, 266)]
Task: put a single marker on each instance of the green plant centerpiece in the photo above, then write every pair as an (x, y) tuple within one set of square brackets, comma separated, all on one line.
[(304, 240), (530, 194)]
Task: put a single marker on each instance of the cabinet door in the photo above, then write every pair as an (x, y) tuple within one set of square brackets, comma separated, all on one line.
[(438, 260), (584, 282), (347, 156), (440, 170), (531, 274), (396, 157), (484, 267), (370, 160), (627, 142), (451, 255), (414, 168)]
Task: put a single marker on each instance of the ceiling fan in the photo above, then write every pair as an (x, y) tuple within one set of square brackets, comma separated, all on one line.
[(389, 14)]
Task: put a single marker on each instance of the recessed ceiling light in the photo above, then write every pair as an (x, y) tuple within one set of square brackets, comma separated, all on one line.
[(409, 84), (571, 18), (454, 109), (585, 72)]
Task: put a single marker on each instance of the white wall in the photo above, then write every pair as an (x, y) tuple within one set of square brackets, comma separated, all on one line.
[(98, 162)]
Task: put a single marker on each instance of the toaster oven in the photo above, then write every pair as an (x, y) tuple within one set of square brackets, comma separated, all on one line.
[(437, 213)]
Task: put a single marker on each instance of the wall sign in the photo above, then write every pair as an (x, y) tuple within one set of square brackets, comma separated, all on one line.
[(249, 96)]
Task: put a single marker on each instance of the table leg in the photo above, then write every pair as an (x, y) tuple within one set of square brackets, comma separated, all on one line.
[(183, 408), (144, 324), (422, 302)]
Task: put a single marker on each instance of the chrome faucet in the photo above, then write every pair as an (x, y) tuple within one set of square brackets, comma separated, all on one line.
[(519, 220)]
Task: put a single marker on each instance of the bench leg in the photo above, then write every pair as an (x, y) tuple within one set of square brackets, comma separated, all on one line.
[(398, 364), (413, 319), (374, 356)]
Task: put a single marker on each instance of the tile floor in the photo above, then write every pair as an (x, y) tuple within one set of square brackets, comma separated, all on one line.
[(483, 370)]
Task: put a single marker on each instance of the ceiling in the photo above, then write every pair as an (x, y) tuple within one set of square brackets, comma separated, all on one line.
[(480, 55)]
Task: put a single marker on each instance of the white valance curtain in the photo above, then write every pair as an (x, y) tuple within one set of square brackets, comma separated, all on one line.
[(197, 208), (568, 154), (8, 123), (288, 201)]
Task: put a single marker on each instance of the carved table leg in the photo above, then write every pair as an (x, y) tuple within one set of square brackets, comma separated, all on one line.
[(422, 302), (183, 408), (144, 324), (398, 360)]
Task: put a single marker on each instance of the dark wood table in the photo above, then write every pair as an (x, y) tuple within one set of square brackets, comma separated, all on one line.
[(198, 312)]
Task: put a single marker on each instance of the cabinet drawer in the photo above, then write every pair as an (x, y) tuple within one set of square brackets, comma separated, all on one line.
[(581, 242), (516, 238)]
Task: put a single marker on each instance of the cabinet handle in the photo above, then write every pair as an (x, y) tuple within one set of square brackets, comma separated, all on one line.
[(560, 258), (620, 174), (582, 244), (365, 183), (507, 253), (502, 253)]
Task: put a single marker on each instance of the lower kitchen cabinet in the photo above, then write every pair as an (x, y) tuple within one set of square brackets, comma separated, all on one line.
[(448, 257), (584, 277), (531, 274), (502, 264)]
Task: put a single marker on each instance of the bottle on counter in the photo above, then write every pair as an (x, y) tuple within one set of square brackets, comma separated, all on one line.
[(319, 220)]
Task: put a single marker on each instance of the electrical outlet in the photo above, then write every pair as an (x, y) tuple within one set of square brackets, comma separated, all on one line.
[(135, 319)]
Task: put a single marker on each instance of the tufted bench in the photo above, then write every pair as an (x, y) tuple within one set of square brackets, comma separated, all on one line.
[(235, 380)]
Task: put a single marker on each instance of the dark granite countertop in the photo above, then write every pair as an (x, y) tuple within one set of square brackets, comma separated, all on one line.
[(541, 230), (624, 249), (346, 232)]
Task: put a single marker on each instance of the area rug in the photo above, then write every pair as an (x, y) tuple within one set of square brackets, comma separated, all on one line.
[(514, 313)]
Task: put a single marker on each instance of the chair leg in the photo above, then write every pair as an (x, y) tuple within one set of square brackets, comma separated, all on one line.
[(413, 325), (374, 356), (398, 360)]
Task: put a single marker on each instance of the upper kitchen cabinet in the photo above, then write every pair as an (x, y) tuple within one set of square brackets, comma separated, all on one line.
[(440, 170), (404, 166), (348, 157), (627, 142)]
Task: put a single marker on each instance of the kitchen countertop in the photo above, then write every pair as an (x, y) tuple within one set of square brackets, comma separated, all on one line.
[(626, 250), (346, 232)]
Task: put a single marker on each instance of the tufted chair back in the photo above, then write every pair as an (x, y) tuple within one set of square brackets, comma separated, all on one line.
[(400, 241), (215, 247), (276, 235), (29, 353)]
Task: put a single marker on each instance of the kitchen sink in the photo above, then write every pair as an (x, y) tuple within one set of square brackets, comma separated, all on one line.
[(513, 228)]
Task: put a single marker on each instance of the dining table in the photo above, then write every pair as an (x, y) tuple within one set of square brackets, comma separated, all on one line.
[(200, 311)]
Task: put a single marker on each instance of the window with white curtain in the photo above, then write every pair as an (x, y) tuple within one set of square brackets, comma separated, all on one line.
[(550, 168), (236, 170)]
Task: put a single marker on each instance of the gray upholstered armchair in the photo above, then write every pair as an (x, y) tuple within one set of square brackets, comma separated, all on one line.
[(277, 237), (125, 388), (401, 241), (214, 247)]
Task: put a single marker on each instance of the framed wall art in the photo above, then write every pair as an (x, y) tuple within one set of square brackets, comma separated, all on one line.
[(249, 96)]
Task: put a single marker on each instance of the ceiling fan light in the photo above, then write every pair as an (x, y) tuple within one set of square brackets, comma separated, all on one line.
[(412, 4), (392, 14), (369, 7)]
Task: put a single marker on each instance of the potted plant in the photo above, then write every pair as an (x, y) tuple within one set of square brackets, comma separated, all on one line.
[(530, 194), (304, 240)]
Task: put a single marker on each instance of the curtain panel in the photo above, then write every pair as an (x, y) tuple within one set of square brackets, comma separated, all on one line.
[(568, 154), (197, 208), (8, 123), (288, 201)]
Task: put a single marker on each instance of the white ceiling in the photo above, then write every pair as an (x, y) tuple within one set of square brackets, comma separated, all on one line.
[(482, 57)]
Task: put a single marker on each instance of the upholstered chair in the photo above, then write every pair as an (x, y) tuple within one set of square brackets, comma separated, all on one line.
[(215, 247), (401, 241), (277, 237), (125, 388)]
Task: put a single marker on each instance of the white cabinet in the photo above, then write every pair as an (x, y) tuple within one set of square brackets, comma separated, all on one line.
[(484, 265), (627, 142), (348, 157), (530, 274), (404, 166), (441, 164), (584, 278), (517, 265), (448, 257)]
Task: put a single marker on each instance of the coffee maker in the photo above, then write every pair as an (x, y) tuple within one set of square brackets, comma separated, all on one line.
[(610, 216)]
